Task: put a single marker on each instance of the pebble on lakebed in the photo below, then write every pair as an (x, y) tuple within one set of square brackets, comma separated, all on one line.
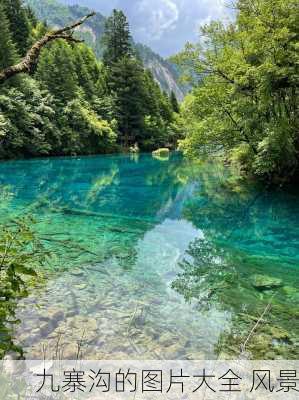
[(77, 272), (264, 282)]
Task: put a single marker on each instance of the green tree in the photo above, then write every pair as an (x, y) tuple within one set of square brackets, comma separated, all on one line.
[(174, 102), (159, 116), (246, 102), (57, 71), (19, 23), (117, 39), (8, 53), (83, 131), (72, 104), (143, 112), (87, 69), (124, 77), (125, 80), (27, 128)]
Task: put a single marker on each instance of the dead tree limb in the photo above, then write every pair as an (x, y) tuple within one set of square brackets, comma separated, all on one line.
[(27, 64)]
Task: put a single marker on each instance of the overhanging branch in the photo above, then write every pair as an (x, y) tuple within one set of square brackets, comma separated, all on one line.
[(27, 64)]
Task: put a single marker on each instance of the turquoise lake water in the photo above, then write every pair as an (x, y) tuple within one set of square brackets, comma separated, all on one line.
[(155, 259)]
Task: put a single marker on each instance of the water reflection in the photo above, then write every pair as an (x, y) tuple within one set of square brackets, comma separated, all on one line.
[(249, 234), (212, 276), (93, 207)]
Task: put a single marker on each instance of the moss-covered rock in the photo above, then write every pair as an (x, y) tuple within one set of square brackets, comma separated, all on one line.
[(163, 152), (279, 333), (290, 290), (264, 282)]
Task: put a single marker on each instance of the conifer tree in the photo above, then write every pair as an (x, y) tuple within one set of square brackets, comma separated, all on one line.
[(87, 69), (117, 38), (174, 102), (19, 24), (57, 71), (143, 111), (124, 77), (8, 53)]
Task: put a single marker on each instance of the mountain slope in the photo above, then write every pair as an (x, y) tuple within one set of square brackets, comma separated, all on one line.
[(56, 14), (163, 71)]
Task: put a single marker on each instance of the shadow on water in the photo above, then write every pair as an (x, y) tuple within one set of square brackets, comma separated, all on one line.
[(156, 259)]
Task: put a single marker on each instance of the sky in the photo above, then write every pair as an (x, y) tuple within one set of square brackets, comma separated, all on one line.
[(164, 25)]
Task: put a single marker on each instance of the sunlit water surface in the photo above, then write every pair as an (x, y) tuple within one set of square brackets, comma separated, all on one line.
[(154, 259)]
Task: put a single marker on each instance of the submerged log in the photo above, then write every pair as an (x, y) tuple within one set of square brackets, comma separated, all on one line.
[(89, 213)]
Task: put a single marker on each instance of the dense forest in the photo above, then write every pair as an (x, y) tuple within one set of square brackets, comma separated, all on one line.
[(72, 103), (57, 14), (246, 101)]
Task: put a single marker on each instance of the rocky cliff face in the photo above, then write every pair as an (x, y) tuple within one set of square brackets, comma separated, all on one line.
[(164, 72), (57, 14)]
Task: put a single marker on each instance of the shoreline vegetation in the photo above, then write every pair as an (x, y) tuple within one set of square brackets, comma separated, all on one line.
[(246, 95), (244, 100)]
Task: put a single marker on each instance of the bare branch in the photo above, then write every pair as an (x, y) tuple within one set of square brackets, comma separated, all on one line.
[(75, 24), (27, 64), (69, 38)]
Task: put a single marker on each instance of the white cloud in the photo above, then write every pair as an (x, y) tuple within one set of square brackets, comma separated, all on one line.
[(158, 16), (165, 25)]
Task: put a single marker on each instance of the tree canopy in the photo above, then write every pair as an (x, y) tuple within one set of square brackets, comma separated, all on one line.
[(144, 114), (117, 38), (246, 98)]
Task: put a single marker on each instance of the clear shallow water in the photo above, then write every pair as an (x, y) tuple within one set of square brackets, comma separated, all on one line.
[(155, 259)]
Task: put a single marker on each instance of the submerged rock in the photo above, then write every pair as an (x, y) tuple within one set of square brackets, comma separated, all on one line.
[(290, 291), (77, 272), (264, 282), (70, 351), (81, 286), (168, 339), (161, 154), (261, 343), (280, 334), (52, 314), (83, 328), (292, 294)]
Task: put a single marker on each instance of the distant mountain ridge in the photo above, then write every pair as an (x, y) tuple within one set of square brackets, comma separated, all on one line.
[(57, 14)]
